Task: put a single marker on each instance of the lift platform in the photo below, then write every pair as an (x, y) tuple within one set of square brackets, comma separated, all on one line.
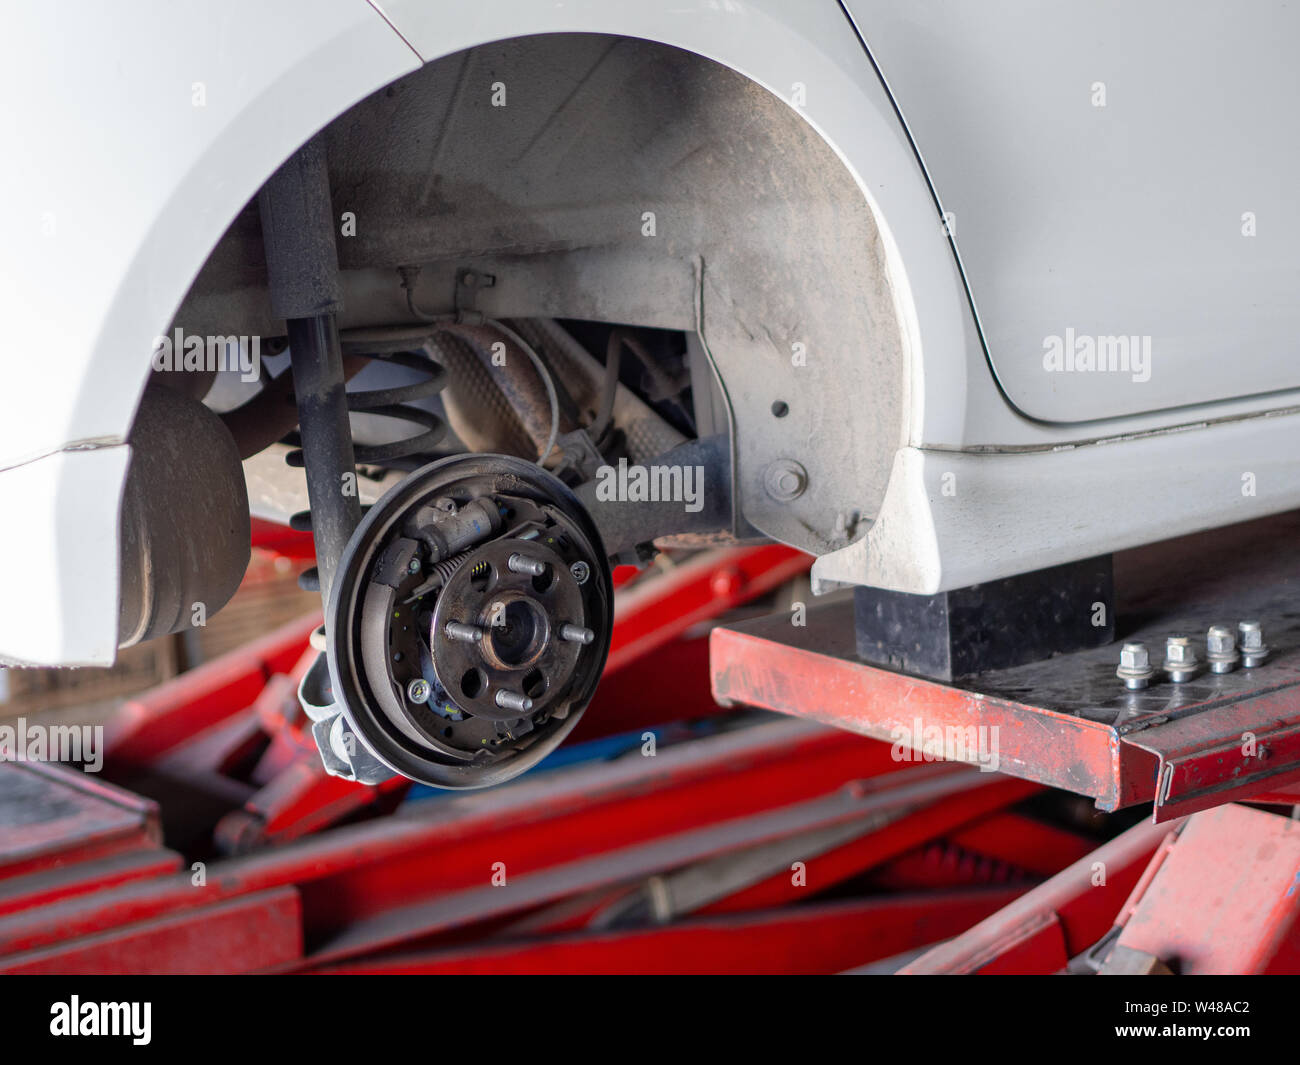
[(1067, 721), (676, 838)]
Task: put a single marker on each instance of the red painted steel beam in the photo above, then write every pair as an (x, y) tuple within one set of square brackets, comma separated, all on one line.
[(301, 799), (481, 901), (54, 816), (1225, 898), (358, 883), (243, 935), (813, 672), (19, 893), (1204, 759), (444, 910), (359, 871), (1192, 756), (883, 846), (817, 938), (990, 792), (1046, 927)]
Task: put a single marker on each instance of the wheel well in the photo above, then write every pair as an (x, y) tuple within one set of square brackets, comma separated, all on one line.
[(619, 180)]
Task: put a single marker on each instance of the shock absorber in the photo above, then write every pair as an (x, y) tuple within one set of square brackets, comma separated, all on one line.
[(303, 275), (302, 269)]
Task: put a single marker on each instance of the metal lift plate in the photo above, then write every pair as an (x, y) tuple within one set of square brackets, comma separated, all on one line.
[(1067, 721)]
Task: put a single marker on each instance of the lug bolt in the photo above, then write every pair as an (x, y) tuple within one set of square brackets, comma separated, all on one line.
[(509, 700), (517, 563), (1135, 668), (785, 480), (1253, 648), (418, 690), (457, 630), (581, 571), (1180, 659), (576, 634), (1221, 649)]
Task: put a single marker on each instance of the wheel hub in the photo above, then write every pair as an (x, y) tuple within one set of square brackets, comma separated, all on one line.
[(468, 623)]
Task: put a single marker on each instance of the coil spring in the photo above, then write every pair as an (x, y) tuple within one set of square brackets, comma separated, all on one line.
[(444, 569), (400, 347), (448, 566)]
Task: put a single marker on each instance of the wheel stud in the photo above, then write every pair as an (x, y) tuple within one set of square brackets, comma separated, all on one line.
[(509, 700), (457, 630), (576, 634), (518, 563)]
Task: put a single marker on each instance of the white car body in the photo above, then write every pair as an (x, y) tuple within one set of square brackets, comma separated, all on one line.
[(1011, 207)]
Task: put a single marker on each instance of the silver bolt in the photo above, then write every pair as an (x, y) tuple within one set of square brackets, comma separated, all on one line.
[(518, 563), (1253, 648), (508, 700), (457, 630), (784, 480), (1221, 649), (413, 566), (581, 571), (418, 690), (1180, 659), (576, 634), (1135, 668)]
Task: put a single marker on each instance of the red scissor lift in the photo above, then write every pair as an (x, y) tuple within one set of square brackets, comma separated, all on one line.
[(686, 839)]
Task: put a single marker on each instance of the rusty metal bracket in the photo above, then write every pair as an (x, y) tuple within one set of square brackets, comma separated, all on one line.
[(1065, 722)]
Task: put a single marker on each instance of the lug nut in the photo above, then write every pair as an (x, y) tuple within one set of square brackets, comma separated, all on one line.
[(581, 571), (458, 630), (1135, 668), (508, 700), (1253, 648), (418, 690), (1221, 649), (518, 563), (1180, 659), (576, 634)]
